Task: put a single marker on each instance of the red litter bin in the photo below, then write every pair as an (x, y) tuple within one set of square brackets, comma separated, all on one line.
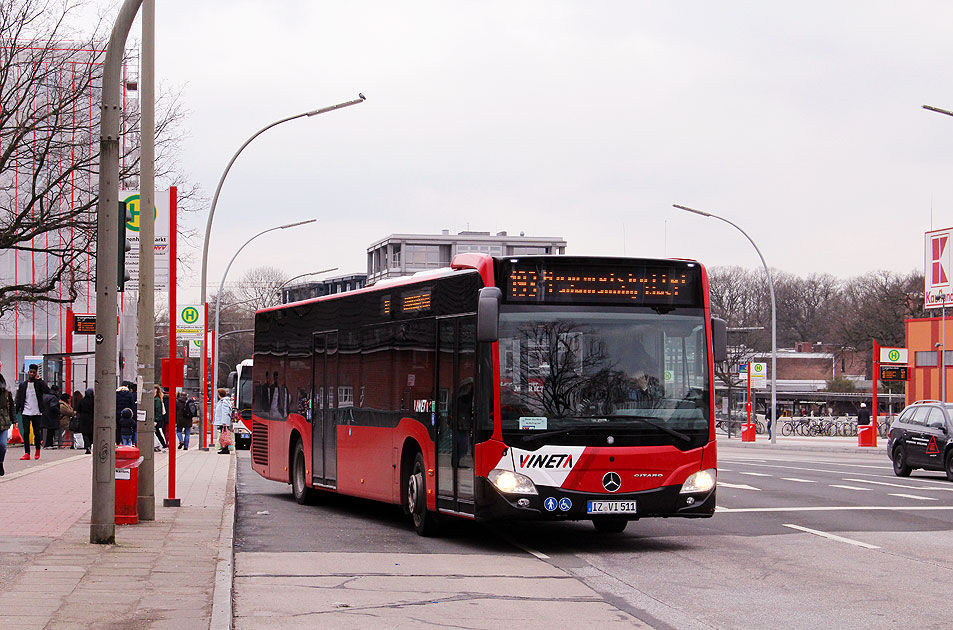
[(866, 435), (748, 432), (127, 485)]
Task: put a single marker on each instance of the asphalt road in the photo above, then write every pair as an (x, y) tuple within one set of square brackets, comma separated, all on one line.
[(800, 540)]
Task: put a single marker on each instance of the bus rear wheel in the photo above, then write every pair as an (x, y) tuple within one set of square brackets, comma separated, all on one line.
[(302, 493), (609, 524), (425, 521)]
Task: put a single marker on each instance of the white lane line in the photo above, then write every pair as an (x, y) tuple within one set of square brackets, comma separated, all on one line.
[(721, 470), (739, 486), (797, 480), (838, 508), (833, 485), (849, 541), (754, 474), (538, 554), (911, 496), (897, 485)]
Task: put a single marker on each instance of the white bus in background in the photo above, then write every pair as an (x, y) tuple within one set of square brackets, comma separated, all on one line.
[(239, 382)]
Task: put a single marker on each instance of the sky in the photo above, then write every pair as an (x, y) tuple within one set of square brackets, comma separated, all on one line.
[(801, 123)]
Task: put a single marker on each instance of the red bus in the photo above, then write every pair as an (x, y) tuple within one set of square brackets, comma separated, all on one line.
[(526, 387)]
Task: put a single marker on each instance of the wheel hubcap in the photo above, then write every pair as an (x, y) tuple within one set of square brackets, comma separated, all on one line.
[(412, 494)]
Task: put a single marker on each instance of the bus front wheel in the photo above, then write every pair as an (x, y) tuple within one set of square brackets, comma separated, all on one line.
[(425, 521), (302, 493)]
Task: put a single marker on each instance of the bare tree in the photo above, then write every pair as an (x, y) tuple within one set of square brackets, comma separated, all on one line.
[(260, 287), (50, 94)]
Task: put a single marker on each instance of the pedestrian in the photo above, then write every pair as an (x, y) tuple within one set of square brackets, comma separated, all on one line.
[(51, 408), (74, 421), (183, 420), (87, 408), (8, 412), (28, 402), (863, 414), (127, 426), (161, 418), (67, 413), (125, 399), (223, 420)]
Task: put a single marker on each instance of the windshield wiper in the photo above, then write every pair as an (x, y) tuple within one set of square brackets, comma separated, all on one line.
[(536, 436), (661, 427)]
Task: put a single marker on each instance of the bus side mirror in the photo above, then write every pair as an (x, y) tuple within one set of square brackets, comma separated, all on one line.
[(488, 314), (719, 340)]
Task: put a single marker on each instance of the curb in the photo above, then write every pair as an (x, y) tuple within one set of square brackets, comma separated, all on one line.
[(878, 451), (224, 570)]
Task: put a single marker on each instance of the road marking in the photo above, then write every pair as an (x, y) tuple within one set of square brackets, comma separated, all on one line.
[(849, 541), (850, 487), (897, 485), (538, 554), (912, 496), (754, 474), (797, 480), (739, 486), (844, 508)]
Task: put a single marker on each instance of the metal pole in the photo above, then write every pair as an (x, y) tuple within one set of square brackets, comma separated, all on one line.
[(774, 320), (147, 228), (943, 350), (102, 522), (218, 190), (221, 287)]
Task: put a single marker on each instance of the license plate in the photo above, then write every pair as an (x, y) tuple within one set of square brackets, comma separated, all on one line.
[(611, 507)]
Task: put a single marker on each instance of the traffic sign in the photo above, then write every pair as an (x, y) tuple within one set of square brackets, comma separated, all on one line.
[(894, 355), (759, 375), (189, 321)]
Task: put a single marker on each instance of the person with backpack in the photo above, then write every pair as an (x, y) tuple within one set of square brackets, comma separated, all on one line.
[(127, 426), (125, 399), (87, 408), (29, 404), (183, 419), (51, 409), (67, 413)]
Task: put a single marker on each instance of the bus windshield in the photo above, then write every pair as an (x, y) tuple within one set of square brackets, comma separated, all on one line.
[(590, 376)]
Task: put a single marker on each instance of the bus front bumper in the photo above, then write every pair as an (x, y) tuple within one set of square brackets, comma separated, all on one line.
[(556, 504)]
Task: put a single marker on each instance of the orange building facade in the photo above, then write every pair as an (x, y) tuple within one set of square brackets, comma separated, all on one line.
[(924, 340)]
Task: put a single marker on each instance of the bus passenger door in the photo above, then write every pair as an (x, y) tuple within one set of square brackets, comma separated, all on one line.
[(456, 368), (323, 415)]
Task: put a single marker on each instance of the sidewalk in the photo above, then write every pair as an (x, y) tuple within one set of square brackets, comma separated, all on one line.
[(818, 444), (174, 572)]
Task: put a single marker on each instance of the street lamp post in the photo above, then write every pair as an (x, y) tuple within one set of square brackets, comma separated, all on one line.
[(774, 320), (221, 287), (211, 215), (942, 296)]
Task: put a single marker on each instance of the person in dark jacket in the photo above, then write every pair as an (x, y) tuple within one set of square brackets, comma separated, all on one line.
[(161, 418), (183, 420), (29, 404), (86, 410), (863, 414), (125, 399), (51, 411), (8, 414)]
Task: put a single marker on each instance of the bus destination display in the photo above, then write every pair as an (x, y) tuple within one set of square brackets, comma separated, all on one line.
[(635, 285)]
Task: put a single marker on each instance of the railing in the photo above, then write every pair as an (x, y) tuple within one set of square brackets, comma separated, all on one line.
[(806, 426)]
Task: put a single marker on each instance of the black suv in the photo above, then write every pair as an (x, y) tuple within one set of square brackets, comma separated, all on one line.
[(922, 437)]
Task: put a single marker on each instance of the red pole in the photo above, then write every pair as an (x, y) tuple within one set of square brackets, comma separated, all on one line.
[(172, 501), (204, 385), (68, 368)]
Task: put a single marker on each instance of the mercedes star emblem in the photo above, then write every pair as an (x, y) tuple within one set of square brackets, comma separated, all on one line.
[(611, 482)]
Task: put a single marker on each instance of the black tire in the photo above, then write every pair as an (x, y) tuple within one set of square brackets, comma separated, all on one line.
[(787, 429), (948, 465), (609, 524), (302, 493), (425, 521), (900, 467)]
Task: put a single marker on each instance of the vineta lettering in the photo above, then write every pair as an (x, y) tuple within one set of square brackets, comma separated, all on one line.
[(553, 460)]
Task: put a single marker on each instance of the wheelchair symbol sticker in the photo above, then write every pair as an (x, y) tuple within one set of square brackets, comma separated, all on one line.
[(565, 504)]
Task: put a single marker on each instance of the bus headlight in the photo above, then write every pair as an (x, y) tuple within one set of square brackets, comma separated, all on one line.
[(702, 481), (510, 482)]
